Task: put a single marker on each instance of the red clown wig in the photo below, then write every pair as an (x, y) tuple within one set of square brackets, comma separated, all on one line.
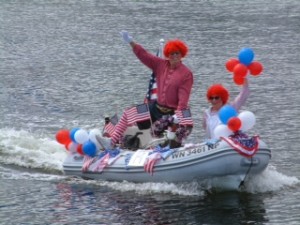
[(175, 46), (218, 90)]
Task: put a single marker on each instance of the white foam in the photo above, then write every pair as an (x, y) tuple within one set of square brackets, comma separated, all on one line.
[(186, 189), (10, 174), (270, 180), (29, 150)]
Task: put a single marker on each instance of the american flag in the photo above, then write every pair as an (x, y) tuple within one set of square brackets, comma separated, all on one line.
[(109, 128), (102, 163), (152, 88), (87, 161), (184, 116), (137, 113), (151, 161)]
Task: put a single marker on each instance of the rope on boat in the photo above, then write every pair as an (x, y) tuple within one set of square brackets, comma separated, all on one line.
[(242, 184)]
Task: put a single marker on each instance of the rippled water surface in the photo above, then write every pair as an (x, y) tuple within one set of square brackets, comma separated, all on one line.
[(63, 64)]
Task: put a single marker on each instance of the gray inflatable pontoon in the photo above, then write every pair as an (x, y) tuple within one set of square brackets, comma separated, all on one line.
[(184, 164)]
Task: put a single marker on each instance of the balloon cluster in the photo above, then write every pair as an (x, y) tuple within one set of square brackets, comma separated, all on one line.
[(244, 64), (79, 141), (233, 122)]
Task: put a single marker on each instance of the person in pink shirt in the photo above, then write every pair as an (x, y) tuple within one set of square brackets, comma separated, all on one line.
[(174, 83), (218, 96)]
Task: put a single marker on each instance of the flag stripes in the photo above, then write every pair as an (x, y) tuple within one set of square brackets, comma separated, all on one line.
[(130, 116), (87, 161), (241, 148), (110, 127), (184, 116), (137, 114)]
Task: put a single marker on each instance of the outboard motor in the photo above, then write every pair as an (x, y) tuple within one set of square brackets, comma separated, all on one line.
[(132, 142)]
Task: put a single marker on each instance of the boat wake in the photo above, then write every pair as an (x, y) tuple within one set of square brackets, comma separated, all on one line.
[(42, 159)]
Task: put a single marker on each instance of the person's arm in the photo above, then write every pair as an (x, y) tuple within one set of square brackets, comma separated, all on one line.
[(148, 59), (204, 119), (240, 100), (144, 56), (132, 44)]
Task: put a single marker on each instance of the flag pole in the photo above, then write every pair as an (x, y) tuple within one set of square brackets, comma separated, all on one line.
[(161, 46)]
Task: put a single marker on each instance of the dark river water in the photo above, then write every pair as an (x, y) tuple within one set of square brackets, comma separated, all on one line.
[(64, 65)]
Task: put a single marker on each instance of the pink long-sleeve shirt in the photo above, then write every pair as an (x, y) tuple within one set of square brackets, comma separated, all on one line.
[(174, 85)]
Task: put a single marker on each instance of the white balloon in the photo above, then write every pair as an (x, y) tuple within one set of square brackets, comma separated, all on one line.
[(81, 136), (72, 147), (248, 120), (222, 131), (92, 137)]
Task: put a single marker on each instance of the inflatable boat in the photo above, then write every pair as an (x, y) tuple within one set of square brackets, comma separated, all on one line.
[(191, 162)]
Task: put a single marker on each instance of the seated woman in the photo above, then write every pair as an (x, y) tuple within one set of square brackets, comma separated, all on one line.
[(217, 96)]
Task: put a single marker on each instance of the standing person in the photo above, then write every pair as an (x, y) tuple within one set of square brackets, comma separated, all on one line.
[(174, 83), (218, 96)]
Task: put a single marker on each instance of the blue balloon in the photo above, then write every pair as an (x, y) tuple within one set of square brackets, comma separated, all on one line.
[(226, 112), (246, 56), (72, 133), (89, 148)]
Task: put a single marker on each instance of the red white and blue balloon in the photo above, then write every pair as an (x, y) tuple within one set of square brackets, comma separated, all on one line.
[(243, 65)]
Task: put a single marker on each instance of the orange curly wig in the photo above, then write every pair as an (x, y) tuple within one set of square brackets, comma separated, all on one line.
[(175, 46), (218, 90)]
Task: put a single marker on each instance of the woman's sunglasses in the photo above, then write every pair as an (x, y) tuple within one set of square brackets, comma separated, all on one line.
[(214, 97)]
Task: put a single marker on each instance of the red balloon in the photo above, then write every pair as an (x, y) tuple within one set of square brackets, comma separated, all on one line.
[(67, 145), (238, 80), (255, 68), (63, 137), (80, 150), (231, 63), (234, 124), (240, 70)]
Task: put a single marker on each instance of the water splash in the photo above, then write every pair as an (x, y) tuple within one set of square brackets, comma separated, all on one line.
[(270, 180), (24, 149)]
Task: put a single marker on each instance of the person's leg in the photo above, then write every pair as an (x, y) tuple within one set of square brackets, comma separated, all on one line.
[(119, 129), (109, 143), (122, 125)]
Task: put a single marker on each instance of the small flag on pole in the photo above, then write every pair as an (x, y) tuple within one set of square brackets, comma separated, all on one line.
[(184, 116), (137, 113), (109, 128)]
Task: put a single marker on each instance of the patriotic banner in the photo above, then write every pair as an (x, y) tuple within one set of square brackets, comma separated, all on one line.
[(158, 154), (87, 161), (127, 160), (101, 163), (151, 161), (164, 152), (137, 113), (184, 116), (109, 128), (245, 146)]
